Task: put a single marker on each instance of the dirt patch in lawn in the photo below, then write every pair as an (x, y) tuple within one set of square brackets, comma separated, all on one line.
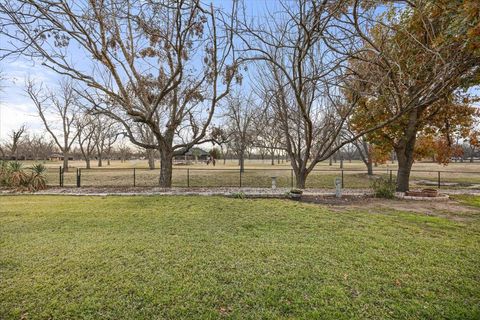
[(450, 209)]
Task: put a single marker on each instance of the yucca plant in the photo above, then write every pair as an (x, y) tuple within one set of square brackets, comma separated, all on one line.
[(3, 173), (17, 178), (37, 180)]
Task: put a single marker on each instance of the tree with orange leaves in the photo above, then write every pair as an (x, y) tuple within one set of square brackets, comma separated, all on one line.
[(426, 54), (473, 137)]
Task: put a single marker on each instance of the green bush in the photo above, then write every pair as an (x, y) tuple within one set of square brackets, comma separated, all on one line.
[(238, 195), (296, 191), (383, 188)]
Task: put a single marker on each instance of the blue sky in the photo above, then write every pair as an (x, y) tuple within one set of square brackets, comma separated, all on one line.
[(16, 107)]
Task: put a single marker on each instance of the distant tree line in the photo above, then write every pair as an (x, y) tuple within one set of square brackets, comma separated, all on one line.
[(307, 80)]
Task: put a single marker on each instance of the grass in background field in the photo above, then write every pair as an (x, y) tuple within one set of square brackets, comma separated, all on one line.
[(257, 174), (209, 257)]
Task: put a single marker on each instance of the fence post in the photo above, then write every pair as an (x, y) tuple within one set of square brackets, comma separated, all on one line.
[(78, 177), (438, 179), (342, 181), (240, 178), (291, 176), (134, 177), (60, 176), (188, 178), (391, 178)]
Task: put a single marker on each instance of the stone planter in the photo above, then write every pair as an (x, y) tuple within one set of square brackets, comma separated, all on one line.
[(295, 194), (430, 192)]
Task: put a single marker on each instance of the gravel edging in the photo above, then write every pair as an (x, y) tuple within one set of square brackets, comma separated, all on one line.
[(232, 192), (229, 192)]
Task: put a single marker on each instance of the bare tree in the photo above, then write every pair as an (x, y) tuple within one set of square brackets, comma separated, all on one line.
[(38, 147), (240, 115), (105, 135), (269, 137), (123, 151), (166, 64), (15, 140), (364, 150), (349, 150), (147, 137), (220, 136), (300, 76), (62, 105), (86, 128)]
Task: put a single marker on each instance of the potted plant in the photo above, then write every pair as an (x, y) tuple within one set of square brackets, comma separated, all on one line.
[(296, 194)]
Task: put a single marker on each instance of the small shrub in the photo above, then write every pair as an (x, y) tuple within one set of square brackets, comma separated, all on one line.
[(296, 191), (295, 194), (238, 195), (17, 178), (383, 188), (3, 173), (37, 180), (12, 175)]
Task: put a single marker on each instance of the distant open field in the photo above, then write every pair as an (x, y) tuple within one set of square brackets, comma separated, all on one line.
[(258, 173)]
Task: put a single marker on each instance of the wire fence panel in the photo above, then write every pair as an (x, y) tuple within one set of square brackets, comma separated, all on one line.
[(259, 178), (70, 178), (200, 178), (179, 178), (263, 179), (146, 177), (106, 178), (53, 177)]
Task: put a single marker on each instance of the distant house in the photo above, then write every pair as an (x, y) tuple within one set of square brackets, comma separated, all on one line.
[(58, 157), (194, 154)]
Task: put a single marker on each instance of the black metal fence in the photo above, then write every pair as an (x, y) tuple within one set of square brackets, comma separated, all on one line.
[(285, 178)]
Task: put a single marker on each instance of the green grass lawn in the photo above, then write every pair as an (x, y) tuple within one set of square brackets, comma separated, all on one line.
[(208, 258)]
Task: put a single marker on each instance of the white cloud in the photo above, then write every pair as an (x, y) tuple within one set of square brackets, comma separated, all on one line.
[(14, 116), (16, 108)]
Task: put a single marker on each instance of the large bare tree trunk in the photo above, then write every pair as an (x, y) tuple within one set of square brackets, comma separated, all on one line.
[(301, 178), (151, 158), (405, 160), (369, 168), (166, 168), (65, 161), (405, 151), (403, 174), (241, 161), (100, 159)]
